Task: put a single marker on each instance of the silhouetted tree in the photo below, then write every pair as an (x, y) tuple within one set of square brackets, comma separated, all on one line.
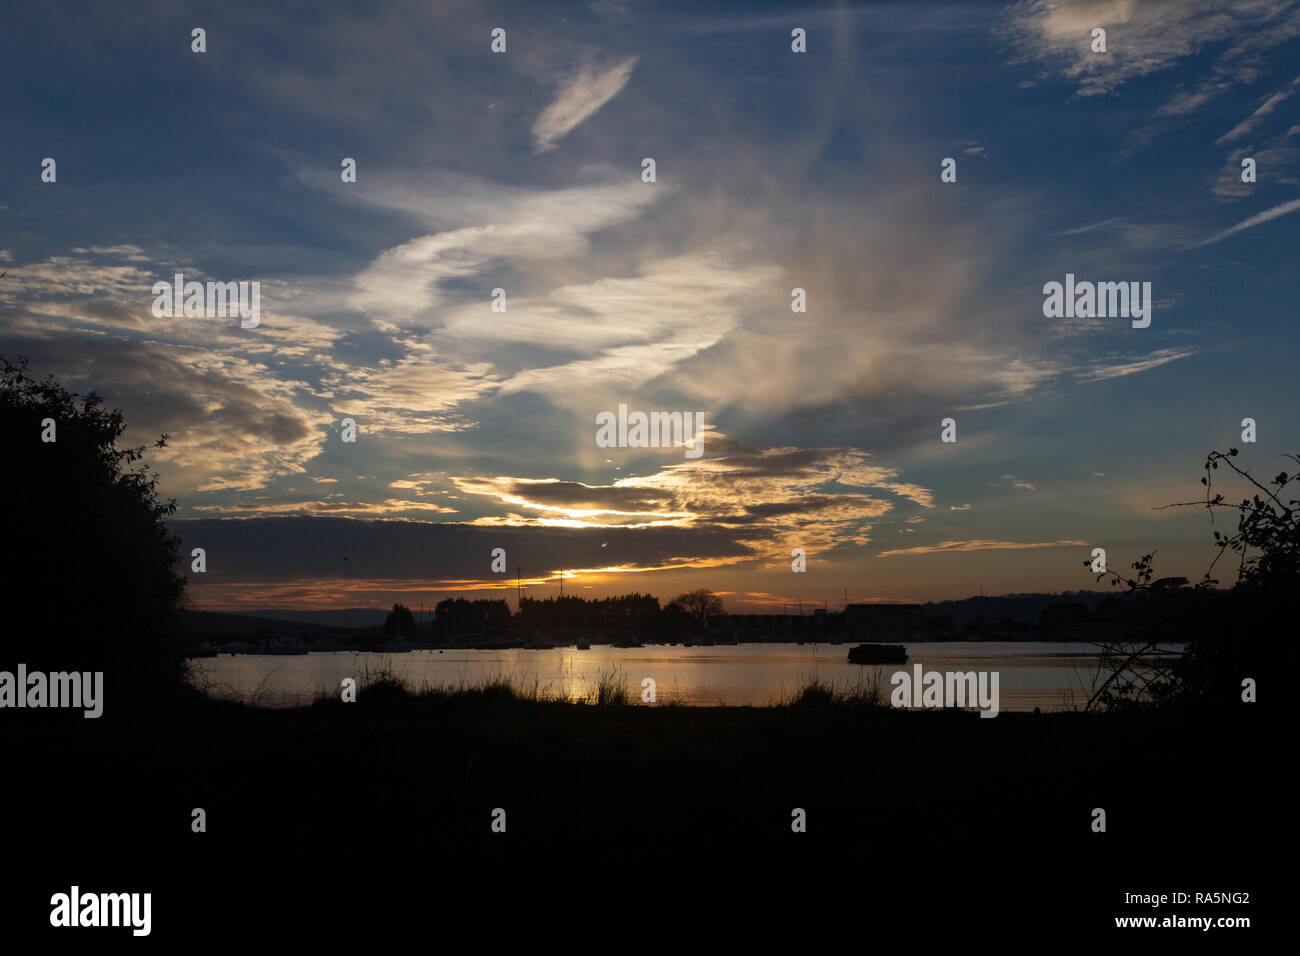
[(89, 559), (635, 612), (400, 622), (701, 605), (673, 621), (457, 616), (496, 613)]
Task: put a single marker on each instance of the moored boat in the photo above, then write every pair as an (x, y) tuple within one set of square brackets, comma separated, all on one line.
[(878, 654)]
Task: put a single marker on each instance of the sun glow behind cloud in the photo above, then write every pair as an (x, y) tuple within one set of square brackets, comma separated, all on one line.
[(523, 174)]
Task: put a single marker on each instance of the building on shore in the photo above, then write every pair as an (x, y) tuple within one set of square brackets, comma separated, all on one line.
[(883, 622)]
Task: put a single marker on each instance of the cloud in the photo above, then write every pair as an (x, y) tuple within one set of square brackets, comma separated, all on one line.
[(125, 251), (750, 507), (417, 395), (1011, 481), (1112, 367), (667, 296), (420, 484), (387, 507), (945, 547), (1257, 117), (233, 424), (614, 10), (668, 304), (404, 283), (763, 498), (1145, 38), (1276, 162), (580, 96), (1095, 225), (330, 561), (1275, 155), (1268, 215), (629, 329)]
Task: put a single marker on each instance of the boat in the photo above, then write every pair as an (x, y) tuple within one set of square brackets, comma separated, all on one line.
[(878, 654)]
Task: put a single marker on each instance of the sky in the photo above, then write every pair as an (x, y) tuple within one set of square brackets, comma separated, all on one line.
[(775, 170)]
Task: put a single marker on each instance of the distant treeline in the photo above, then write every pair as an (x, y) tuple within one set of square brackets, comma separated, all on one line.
[(456, 616), (634, 611), (640, 613)]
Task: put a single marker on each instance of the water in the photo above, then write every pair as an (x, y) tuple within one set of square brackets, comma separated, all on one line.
[(1048, 676)]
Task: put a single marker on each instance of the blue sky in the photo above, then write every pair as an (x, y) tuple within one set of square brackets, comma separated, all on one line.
[(775, 170)]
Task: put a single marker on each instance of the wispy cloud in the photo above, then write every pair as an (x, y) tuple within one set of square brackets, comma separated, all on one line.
[(390, 506), (1268, 215), (1096, 225), (406, 280), (1114, 367), (1011, 481), (1257, 117), (580, 96), (981, 545)]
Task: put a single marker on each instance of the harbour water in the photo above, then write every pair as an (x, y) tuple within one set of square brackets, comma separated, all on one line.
[(1049, 676)]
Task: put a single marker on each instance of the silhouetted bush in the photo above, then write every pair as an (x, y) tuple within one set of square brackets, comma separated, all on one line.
[(92, 576), (1230, 636)]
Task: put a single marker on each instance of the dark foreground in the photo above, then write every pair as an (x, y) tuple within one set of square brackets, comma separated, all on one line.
[(376, 816)]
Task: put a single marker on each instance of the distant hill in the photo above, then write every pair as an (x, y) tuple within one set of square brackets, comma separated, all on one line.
[(1024, 608), (358, 617), (346, 617), (218, 627)]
